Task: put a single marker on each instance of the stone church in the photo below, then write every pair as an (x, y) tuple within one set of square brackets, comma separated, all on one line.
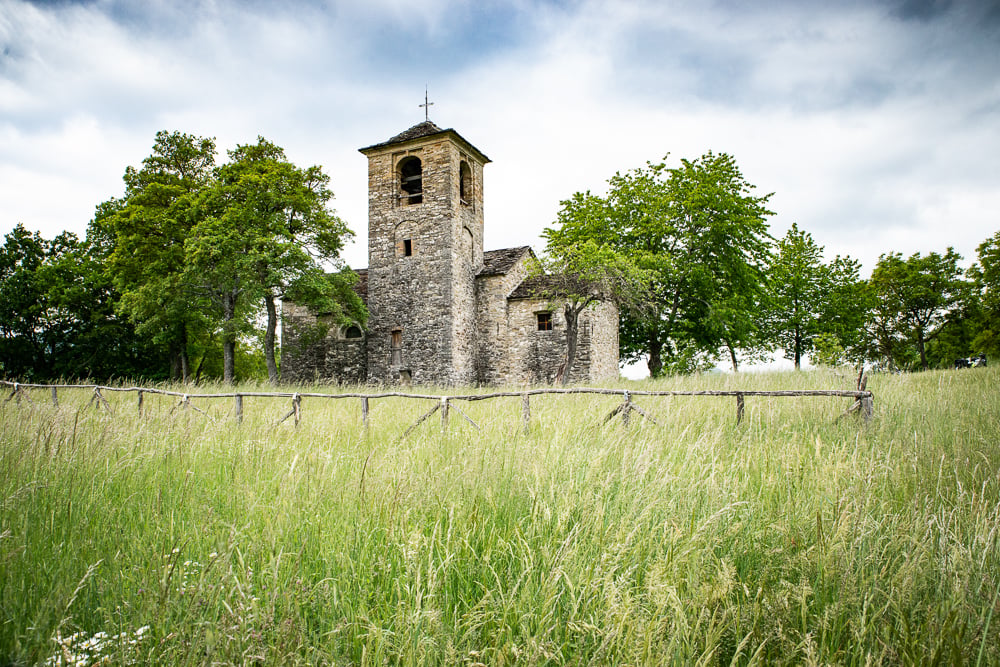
[(441, 309)]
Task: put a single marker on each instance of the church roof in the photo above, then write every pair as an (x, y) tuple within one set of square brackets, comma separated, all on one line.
[(418, 131), (553, 286), (422, 131), (499, 262), (534, 287)]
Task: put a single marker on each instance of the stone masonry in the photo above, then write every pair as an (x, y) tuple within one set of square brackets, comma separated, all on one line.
[(441, 310)]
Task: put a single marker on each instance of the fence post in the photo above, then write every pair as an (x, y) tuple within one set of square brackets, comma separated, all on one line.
[(626, 408), (739, 408), (98, 400), (868, 407), (364, 413), (297, 408), (55, 397), (239, 408), (525, 413), (139, 407), (444, 414)]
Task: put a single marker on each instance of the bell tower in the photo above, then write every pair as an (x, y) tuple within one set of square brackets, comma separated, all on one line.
[(425, 247)]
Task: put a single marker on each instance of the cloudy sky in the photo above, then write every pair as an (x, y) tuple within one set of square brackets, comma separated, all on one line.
[(875, 124)]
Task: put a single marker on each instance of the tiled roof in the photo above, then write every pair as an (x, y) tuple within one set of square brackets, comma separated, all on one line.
[(499, 262), (555, 286), (536, 287), (425, 129)]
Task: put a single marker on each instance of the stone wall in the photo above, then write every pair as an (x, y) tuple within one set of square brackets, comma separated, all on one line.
[(308, 356), (536, 356), (302, 353), (467, 260), (602, 320), (493, 334), (511, 350), (427, 298)]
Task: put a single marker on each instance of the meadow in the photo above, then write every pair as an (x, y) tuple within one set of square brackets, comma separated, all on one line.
[(180, 538)]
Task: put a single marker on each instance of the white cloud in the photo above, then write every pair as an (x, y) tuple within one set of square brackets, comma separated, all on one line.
[(875, 133)]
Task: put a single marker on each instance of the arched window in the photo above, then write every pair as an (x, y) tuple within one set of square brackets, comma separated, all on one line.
[(465, 183), (353, 332), (411, 181)]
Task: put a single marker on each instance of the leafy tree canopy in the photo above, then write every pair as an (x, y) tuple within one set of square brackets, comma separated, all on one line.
[(700, 235), (914, 296), (810, 300), (57, 317), (986, 277), (201, 252)]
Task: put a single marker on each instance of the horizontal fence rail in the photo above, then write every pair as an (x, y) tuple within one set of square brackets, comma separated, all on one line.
[(863, 399)]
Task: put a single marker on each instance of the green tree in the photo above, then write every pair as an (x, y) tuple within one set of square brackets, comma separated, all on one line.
[(86, 337), (913, 299), (266, 232), (147, 230), (811, 301), (734, 317), (799, 284), (700, 235), (22, 304), (57, 314), (198, 252), (985, 275), (958, 333), (846, 309)]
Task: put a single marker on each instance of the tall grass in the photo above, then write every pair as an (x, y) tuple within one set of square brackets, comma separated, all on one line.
[(180, 538)]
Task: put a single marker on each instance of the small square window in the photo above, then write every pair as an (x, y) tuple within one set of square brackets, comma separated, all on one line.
[(544, 321)]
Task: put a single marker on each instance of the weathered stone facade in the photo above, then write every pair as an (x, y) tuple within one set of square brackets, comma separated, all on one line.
[(537, 355), (441, 310), (324, 352)]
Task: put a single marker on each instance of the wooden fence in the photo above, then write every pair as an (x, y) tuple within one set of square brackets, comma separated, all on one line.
[(863, 399)]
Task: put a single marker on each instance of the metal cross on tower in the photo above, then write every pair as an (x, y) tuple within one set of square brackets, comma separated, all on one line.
[(426, 106)]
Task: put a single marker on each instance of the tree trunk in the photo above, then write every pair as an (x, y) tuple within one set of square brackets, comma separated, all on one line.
[(185, 361), (272, 325), (921, 346), (179, 363), (732, 357), (197, 371), (229, 339), (798, 349), (572, 327), (655, 362)]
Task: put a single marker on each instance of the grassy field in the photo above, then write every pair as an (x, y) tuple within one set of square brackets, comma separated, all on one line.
[(793, 538)]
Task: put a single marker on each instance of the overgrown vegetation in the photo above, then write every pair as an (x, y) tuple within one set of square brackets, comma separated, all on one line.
[(180, 538)]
